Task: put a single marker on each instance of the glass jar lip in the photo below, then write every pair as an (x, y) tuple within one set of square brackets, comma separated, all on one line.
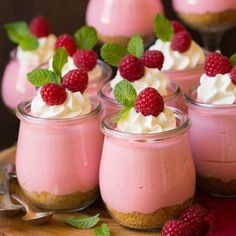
[(103, 95), (180, 129), (22, 113), (191, 101), (188, 70)]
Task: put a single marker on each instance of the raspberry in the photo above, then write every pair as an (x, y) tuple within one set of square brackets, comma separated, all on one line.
[(149, 102), (153, 59), (233, 75), (75, 80), (177, 26), (194, 218), (53, 94), (175, 228), (68, 42), (86, 59), (131, 68), (216, 63), (39, 27), (181, 41)]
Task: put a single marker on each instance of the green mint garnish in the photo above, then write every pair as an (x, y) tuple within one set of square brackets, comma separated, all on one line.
[(83, 222), (60, 58), (103, 230), (135, 46), (122, 114), (113, 53), (18, 32), (233, 59), (86, 37), (163, 28)]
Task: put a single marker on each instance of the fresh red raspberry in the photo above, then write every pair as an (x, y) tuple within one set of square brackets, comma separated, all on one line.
[(194, 218), (153, 59), (131, 68), (175, 228), (216, 63), (66, 41), (75, 80), (177, 26), (233, 75), (86, 59), (39, 27), (149, 102), (53, 94), (181, 41)]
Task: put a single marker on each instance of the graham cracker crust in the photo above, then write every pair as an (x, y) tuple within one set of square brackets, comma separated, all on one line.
[(48, 201), (152, 221), (217, 186), (208, 21)]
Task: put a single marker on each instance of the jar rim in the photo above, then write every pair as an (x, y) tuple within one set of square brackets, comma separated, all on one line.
[(187, 70), (180, 116)]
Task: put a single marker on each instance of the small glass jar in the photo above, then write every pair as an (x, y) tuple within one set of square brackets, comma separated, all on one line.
[(146, 179), (212, 136), (105, 95), (55, 164)]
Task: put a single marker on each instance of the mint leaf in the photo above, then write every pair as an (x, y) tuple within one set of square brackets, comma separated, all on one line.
[(135, 46), (113, 53), (39, 77), (121, 114), (163, 28), (233, 59), (28, 43), (83, 222), (103, 230), (60, 58), (125, 93), (86, 37)]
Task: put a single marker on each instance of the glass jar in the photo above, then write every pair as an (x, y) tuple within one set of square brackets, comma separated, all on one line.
[(55, 165), (146, 179), (212, 136)]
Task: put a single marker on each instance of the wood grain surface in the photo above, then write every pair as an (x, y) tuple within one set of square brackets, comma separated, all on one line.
[(14, 226)]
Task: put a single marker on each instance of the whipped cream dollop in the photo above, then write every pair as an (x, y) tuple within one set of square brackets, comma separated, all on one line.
[(40, 55), (218, 90), (175, 60), (152, 78), (137, 123), (94, 74), (76, 104)]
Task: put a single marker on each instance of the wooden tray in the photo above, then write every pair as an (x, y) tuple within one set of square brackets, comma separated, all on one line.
[(14, 226)]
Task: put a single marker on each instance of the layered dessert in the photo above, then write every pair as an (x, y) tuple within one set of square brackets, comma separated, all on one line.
[(212, 111), (55, 168), (35, 47), (207, 15), (81, 55), (184, 58), (146, 157), (116, 22)]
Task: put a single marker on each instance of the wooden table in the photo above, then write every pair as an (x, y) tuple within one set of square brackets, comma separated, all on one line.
[(14, 226)]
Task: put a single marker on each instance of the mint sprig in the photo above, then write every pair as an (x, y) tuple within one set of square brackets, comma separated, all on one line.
[(112, 53), (103, 230), (83, 222), (135, 46), (18, 32), (86, 37), (60, 58), (163, 28), (233, 59)]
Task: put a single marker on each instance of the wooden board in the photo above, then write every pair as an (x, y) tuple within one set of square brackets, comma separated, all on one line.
[(14, 226)]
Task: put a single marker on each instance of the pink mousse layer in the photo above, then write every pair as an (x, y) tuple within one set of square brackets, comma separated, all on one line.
[(203, 6), (145, 177), (122, 17), (59, 160), (15, 86)]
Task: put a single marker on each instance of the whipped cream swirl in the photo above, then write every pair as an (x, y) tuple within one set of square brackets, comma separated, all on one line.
[(137, 123), (152, 78), (76, 104), (175, 60), (218, 90), (40, 55)]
